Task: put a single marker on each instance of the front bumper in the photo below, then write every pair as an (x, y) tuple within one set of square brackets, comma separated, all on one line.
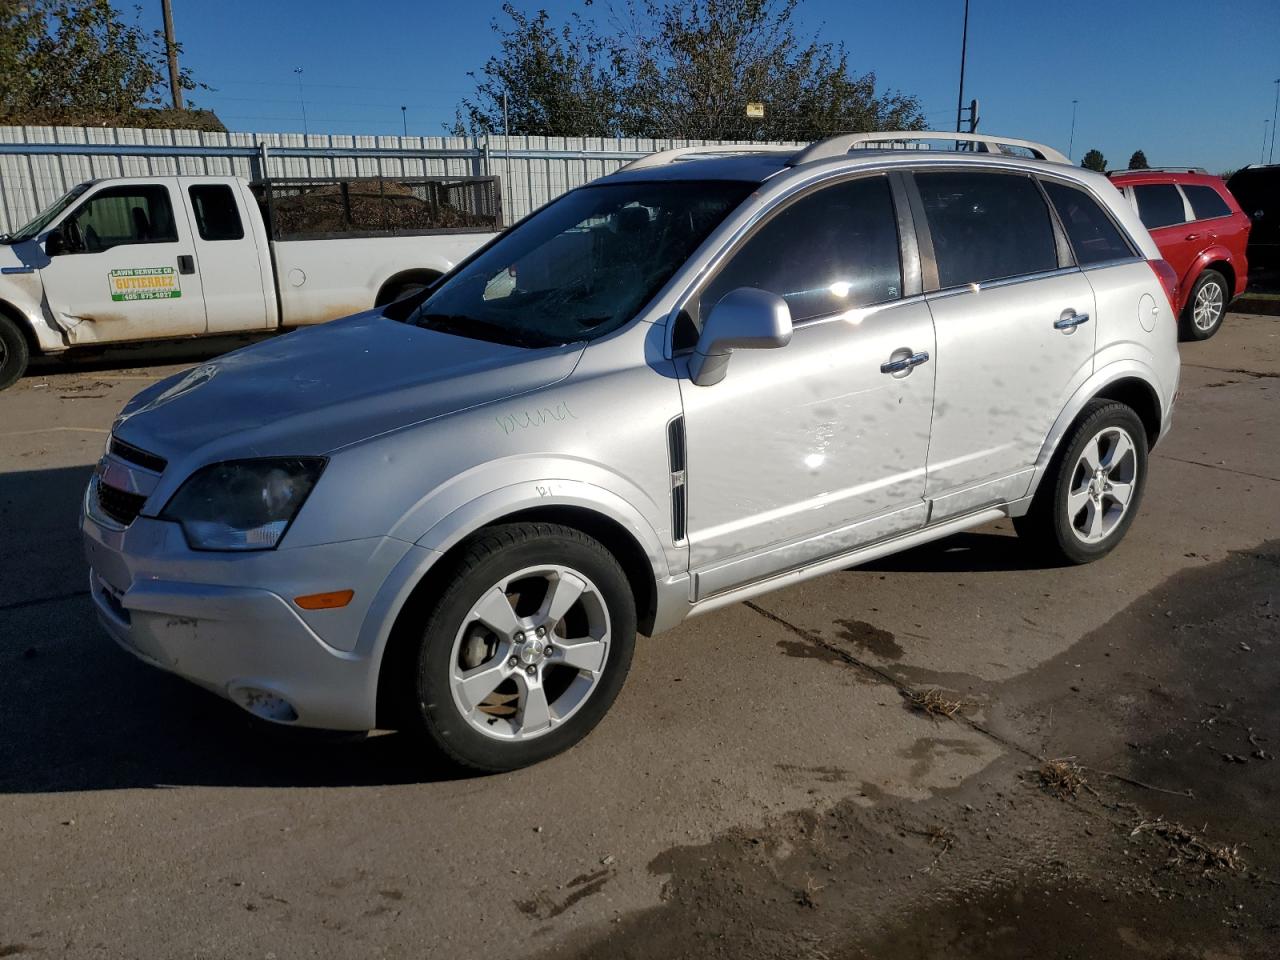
[(226, 621)]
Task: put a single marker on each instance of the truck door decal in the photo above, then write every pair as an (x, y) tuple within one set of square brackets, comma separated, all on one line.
[(144, 283)]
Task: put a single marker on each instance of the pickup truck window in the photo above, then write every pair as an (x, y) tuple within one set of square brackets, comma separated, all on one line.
[(217, 218), (47, 216), (581, 266), (122, 215)]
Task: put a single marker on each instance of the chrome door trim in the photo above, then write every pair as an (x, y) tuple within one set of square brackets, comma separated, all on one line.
[(1003, 282)]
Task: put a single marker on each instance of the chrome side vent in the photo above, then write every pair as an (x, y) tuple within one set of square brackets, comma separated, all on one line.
[(676, 456)]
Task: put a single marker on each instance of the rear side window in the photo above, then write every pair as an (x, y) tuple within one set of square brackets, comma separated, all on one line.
[(1205, 202), (216, 215), (1159, 205), (827, 252), (986, 226), (1093, 235)]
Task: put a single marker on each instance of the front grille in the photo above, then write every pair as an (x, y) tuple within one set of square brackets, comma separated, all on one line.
[(120, 505), (131, 454)]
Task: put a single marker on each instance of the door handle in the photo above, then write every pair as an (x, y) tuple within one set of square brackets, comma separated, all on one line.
[(1070, 320), (186, 263), (899, 364), (1192, 236)]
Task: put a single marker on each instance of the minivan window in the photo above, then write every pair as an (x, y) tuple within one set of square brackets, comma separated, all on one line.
[(1159, 205), (829, 251), (123, 215), (986, 226), (581, 266), (217, 218), (1205, 202), (1093, 236)]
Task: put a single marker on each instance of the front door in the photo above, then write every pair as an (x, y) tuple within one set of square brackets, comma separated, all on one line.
[(128, 270), (809, 450)]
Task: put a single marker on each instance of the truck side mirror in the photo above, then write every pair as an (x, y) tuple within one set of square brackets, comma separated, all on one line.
[(54, 244), (746, 319)]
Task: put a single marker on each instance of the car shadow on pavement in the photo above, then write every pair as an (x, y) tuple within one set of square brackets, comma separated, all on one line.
[(980, 551), (79, 713)]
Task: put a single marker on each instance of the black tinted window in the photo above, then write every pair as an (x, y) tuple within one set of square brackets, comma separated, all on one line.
[(825, 253), (120, 215), (216, 215), (1093, 236), (986, 226), (1205, 202), (1159, 205)]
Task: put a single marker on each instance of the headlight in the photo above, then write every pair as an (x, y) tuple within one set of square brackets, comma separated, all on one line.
[(242, 504)]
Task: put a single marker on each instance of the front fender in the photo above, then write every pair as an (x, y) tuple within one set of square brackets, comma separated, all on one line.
[(20, 299)]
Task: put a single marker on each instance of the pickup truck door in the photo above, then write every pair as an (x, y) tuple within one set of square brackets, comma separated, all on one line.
[(231, 255), (128, 270)]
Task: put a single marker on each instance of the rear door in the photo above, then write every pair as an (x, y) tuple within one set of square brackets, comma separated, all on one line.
[(236, 287), (129, 269), (1015, 337), (1165, 214)]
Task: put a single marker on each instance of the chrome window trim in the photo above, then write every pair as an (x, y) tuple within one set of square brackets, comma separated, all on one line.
[(1002, 282), (883, 305), (1114, 262)]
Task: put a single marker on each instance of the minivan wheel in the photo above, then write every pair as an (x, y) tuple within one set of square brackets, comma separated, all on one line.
[(526, 648), (1089, 498), (1207, 305), (14, 352)]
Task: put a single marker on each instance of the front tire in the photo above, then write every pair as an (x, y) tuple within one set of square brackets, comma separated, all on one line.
[(1205, 308), (1089, 497), (14, 353), (525, 649)]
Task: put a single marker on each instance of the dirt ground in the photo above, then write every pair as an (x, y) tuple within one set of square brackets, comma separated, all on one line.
[(952, 752)]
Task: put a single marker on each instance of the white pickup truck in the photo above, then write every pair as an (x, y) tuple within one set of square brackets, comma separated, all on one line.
[(148, 258)]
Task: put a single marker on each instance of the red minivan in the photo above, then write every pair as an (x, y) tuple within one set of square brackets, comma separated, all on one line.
[(1202, 233)]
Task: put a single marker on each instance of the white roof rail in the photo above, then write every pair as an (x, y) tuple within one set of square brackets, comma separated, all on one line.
[(840, 145), (726, 149)]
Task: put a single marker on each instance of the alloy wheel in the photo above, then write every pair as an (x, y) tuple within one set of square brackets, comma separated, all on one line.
[(530, 653), (1207, 310), (1102, 484)]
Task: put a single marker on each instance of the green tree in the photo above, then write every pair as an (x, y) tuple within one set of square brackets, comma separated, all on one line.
[(1139, 161), (667, 68), (1094, 160), (78, 61)]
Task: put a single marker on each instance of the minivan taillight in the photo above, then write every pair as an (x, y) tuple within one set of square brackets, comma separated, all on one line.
[(1169, 280)]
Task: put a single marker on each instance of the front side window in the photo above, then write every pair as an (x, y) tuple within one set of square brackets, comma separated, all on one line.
[(829, 251), (583, 265), (1159, 205), (217, 218), (1094, 237), (122, 215), (986, 226), (1205, 202), (47, 216)]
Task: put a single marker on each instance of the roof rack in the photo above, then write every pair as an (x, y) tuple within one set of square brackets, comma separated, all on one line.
[(1181, 169), (840, 145), (679, 153)]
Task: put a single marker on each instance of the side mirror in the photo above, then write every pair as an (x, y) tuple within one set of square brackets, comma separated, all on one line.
[(54, 244), (746, 318)]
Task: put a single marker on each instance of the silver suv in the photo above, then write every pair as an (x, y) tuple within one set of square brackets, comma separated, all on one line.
[(706, 376)]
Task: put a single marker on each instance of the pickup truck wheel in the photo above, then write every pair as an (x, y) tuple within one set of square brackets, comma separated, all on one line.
[(1205, 308), (14, 352), (1091, 494), (525, 649)]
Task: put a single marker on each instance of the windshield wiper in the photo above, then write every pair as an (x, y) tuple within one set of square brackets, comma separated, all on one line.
[(477, 329)]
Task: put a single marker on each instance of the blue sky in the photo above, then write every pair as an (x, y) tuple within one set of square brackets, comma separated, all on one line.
[(1187, 82)]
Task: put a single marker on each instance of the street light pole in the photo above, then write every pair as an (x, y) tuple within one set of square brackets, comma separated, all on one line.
[(301, 101), (964, 49), (1272, 155), (1071, 143), (1262, 157), (404, 120)]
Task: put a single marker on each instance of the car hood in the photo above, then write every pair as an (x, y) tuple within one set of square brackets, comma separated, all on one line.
[(321, 388)]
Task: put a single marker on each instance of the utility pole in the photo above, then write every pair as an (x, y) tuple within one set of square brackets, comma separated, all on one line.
[(1272, 155), (171, 48), (1262, 157), (964, 49), (1071, 143), (404, 120), (301, 101)]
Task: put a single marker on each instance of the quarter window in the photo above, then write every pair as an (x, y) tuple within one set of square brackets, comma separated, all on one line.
[(1206, 203), (1159, 205), (986, 226), (1094, 237), (827, 252), (122, 215), (216, 215)]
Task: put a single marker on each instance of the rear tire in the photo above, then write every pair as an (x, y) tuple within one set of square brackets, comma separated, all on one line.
[(525, 649), (14, 353), (1206, 306), (1089, 497)]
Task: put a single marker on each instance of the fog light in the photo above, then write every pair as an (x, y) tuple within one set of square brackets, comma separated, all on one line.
[(265, 704)]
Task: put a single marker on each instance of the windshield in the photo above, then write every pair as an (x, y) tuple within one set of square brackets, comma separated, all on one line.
[(44, 219), (583, 265)]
